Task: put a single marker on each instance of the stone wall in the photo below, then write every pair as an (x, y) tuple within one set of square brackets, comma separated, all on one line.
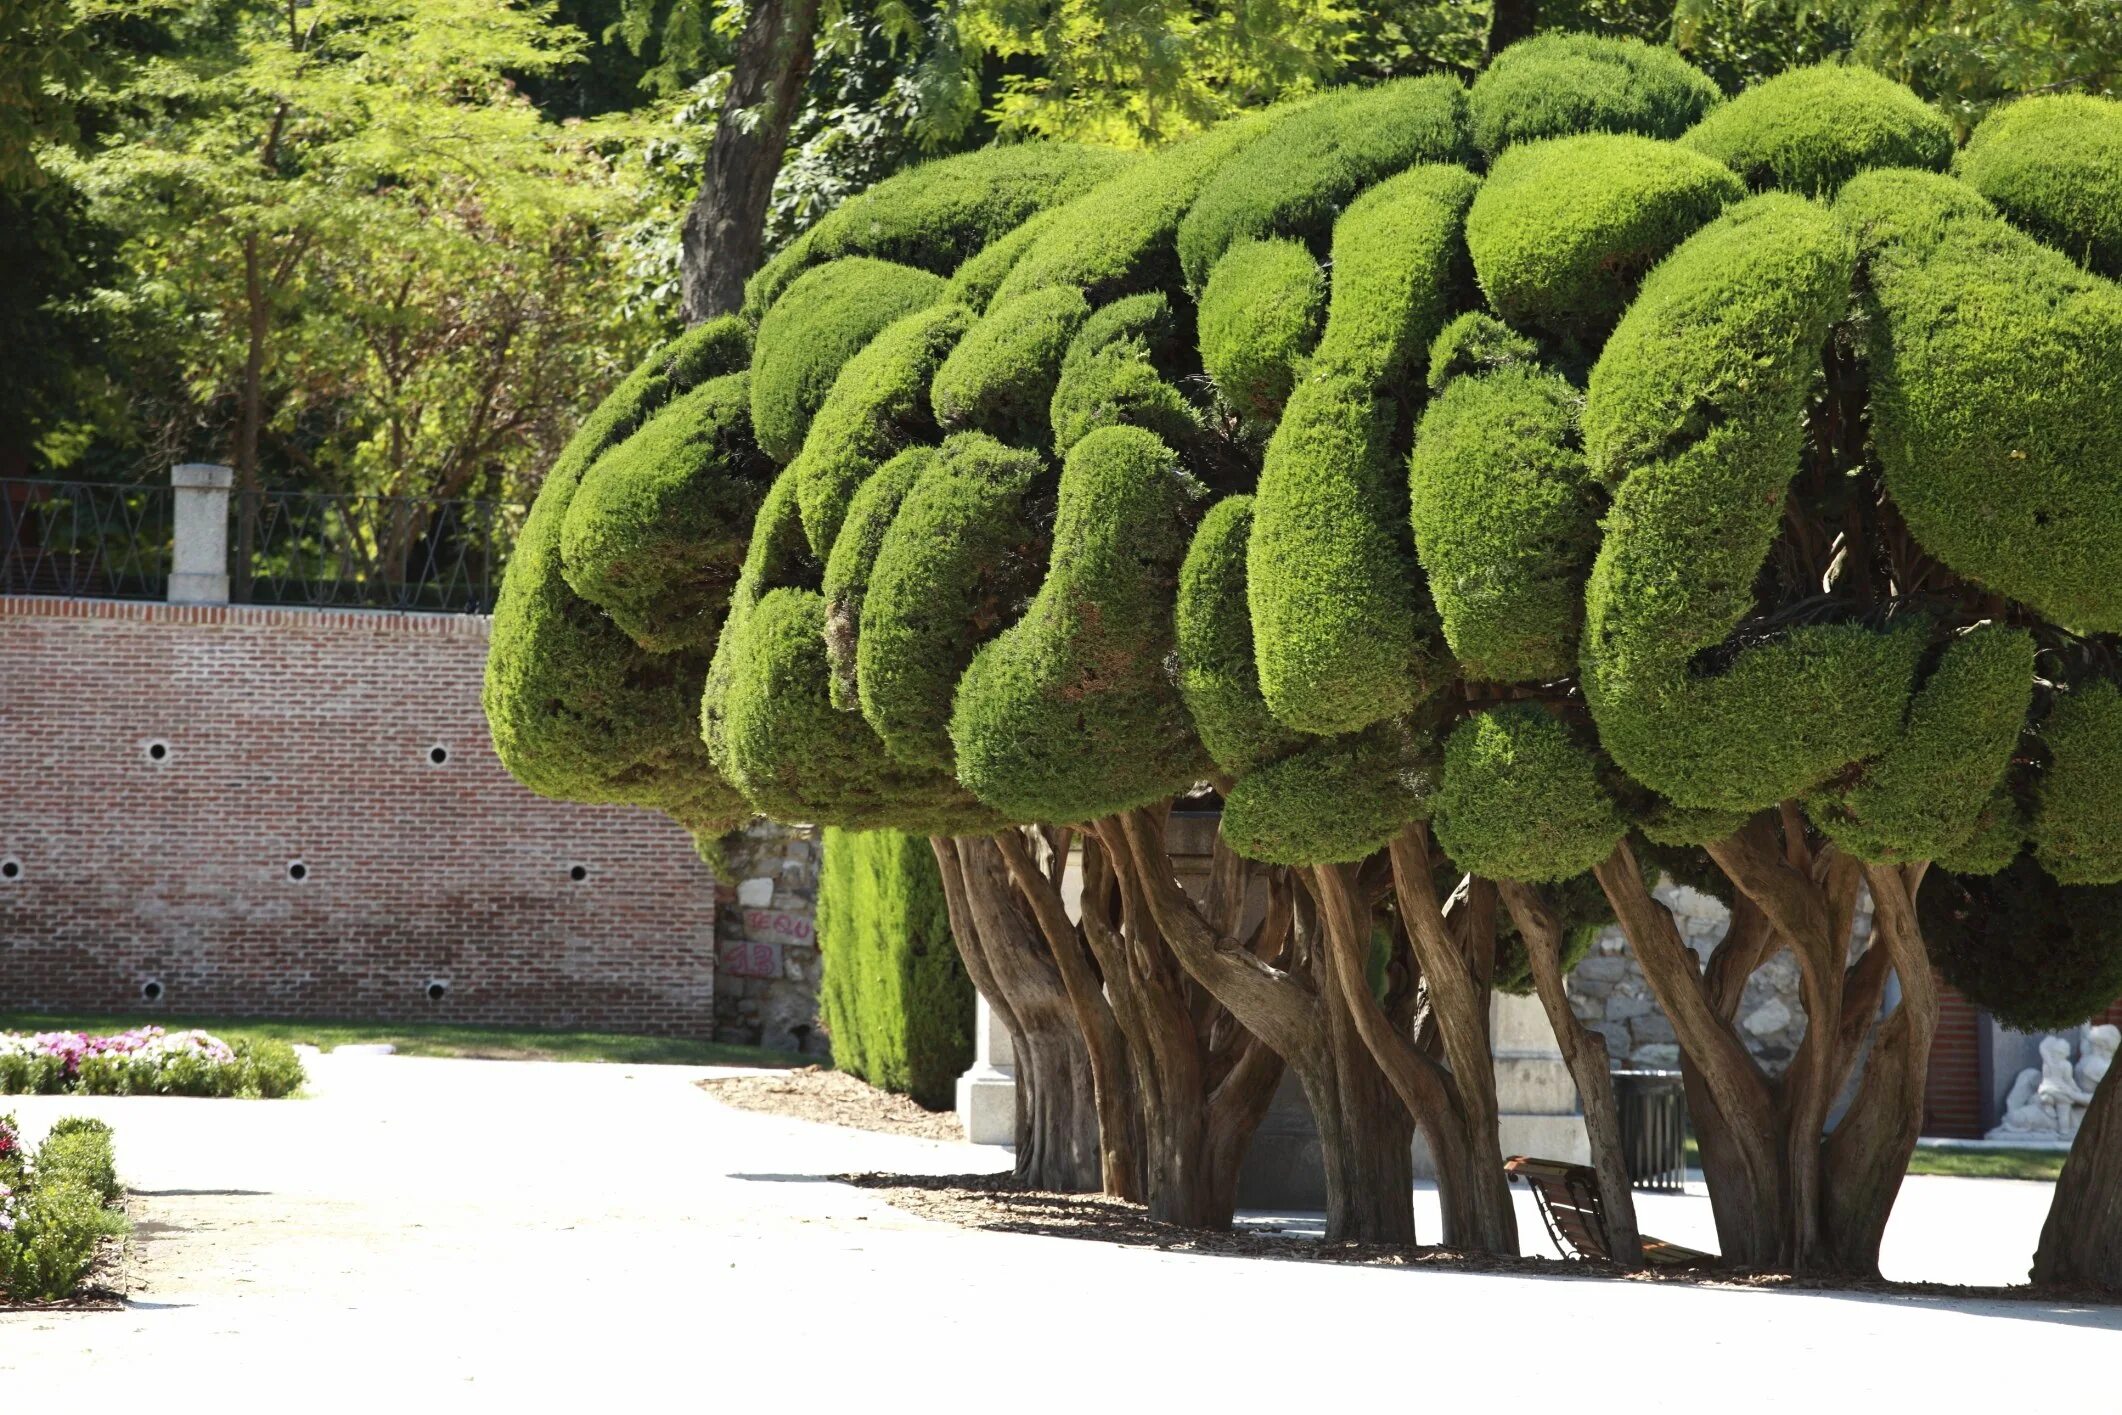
[(767, 965), (298, 813), (1608, 993)]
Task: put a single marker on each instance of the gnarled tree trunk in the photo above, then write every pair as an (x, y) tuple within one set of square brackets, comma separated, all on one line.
[(2082, 1240), (1057, 1117)]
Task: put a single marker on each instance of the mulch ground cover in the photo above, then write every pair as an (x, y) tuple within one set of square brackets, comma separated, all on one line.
[(832, 1098)]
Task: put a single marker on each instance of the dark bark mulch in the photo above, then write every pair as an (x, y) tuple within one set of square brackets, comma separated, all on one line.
[(997, 1202), (829, 1097)]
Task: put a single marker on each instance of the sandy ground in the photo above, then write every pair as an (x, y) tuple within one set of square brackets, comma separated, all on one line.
[(469, 1235)]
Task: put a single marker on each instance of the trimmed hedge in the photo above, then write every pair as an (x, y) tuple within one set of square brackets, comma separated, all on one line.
[(1297, 179), (828, 315), (965, 550), (932, 216), (1563, 230), (2076, 830), (1068, 714), (1520, 800), (854, 558), (1334, 799), (1556, 84), (1925, 795), (2053, 164), (878, 405), (1340, 623), (894, 994), (656, 532), (1695, 417), (1477, 342), (1505, 522), (1810, 130), (1000, 379), (1215, 640), (1996, 395), (578, 710), (2038, 955), (1261, 314), (1110, 377)]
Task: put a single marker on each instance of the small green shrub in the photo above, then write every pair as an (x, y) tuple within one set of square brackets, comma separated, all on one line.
[(51, 1242), (1260, 316), (828, 315), (1556, 84), (897, 1003), (79, 1154), (271, 1069), (2053, 164), (1810, 130), (1111, 377)]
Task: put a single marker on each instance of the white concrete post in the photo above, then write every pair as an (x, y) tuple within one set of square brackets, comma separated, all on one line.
[(987, 1094), (198, 571)]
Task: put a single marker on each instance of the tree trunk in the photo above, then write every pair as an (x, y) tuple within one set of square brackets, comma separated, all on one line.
[(1367, 1136), (1510, 21), (2082, 1240), (1057, 1118), (1584, 1052), (725, 230)]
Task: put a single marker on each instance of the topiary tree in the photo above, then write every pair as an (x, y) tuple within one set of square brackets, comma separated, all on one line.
[(1488, 500)]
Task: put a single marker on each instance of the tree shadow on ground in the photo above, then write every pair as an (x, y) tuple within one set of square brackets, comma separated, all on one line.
[(996, 1203)]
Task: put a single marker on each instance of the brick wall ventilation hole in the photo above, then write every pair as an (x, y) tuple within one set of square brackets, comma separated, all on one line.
[(437, 754), (10, 869), (578, 873), (297, 871), (437, 989), (151, 990), (158, 753)]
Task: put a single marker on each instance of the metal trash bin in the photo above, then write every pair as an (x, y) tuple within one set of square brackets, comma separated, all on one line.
[(1653, 1109)]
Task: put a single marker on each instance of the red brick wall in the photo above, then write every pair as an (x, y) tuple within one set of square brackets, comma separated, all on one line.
[(305, 735)]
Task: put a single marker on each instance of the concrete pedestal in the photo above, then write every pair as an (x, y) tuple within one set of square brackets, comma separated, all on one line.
[(987, 1094)]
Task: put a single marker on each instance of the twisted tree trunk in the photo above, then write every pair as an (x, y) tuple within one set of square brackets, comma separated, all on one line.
[(1057, 1118), (2082, 1240)]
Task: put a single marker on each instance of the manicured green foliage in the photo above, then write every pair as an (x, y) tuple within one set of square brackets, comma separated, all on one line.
[(1339, 616), (270, 1069), (1505, 522), (1334, 799), (932, 216), (1476, 342), (1556, 84), (974, 283), (1996, 397), (854, 557), (795, 756), (1694, 417), (1119, 238), (80, 1154), (1215, 639), (1068, 714), (894, 994), (1563, 229), (779, 557), (1998, 836), (1295, 180), (2076, 830), (52, 1242), (2053, 164), (578, 710), (1521, 800), (1810, 130), (656, 531), (2037, 955), (877, 405), (1000, 379), (1581, 906), (1110, 377), (827, 316), (1260, 316), (965, 551), (1925, 794)]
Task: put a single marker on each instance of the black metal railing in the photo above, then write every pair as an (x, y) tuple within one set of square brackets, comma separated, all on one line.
[(84, 540), (369, 552), (1653, 1106)]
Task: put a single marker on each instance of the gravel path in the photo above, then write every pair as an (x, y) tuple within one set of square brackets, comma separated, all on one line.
[(469, 1235)]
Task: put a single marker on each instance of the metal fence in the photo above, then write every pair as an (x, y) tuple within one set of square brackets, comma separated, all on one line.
[(84, 540), (1653, 1106), (91, 540)]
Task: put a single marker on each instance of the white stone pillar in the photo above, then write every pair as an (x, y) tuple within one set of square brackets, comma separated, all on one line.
[(198, 572), (987, 1094)]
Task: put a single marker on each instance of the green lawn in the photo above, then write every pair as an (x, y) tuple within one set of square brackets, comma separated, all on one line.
[(1964, 1164), (438, 1039)]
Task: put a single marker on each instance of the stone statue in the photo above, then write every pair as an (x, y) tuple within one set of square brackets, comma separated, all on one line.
[(2046, 1103), (2100, 1044)]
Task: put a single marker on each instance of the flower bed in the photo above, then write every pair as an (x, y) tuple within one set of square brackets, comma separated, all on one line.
[(146, 1061), (57, 1208)]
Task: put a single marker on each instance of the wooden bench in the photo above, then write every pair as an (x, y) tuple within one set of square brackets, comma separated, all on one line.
[(1568, 1195)]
